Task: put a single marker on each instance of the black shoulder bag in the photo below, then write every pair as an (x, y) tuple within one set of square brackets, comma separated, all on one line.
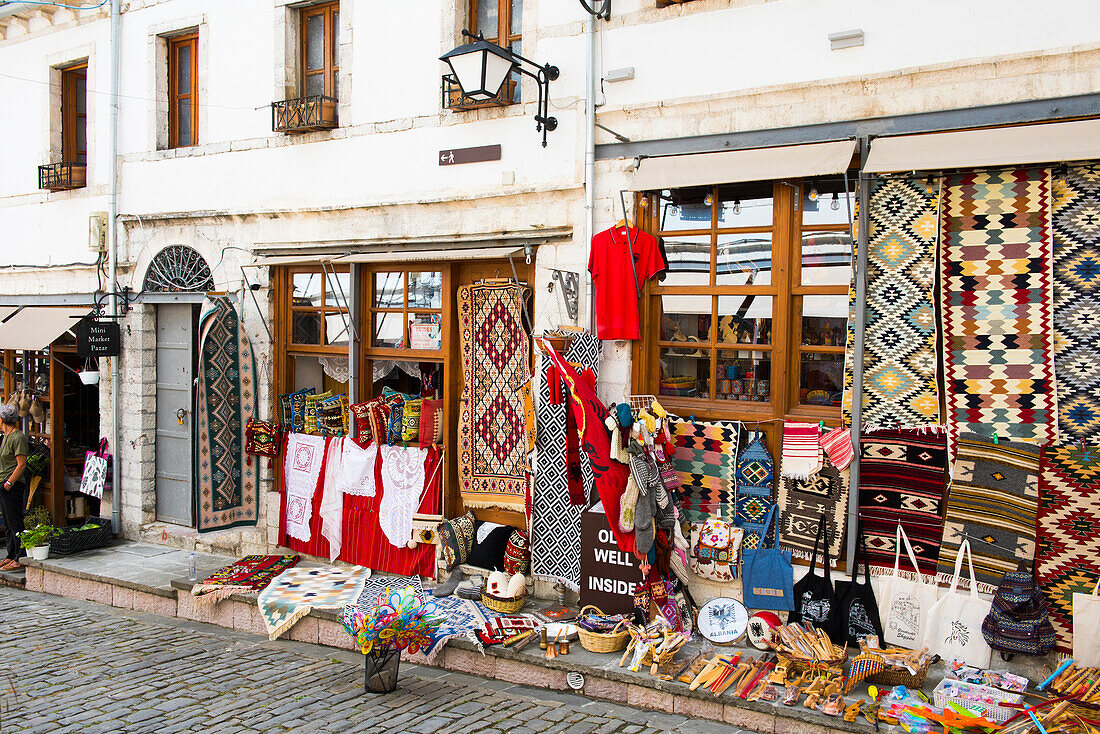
[(815, 601), (858, 609)]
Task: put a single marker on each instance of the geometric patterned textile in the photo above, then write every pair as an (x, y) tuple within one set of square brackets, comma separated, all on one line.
[(464, 618), (899, 339), (496, 359), (901, 478), (1069, 532), (1076, 216), (754, 476), (992, 501), (801, 504), (246, 576), (297, 591), (997, 292), (704, 460), (228, 480), (375, 585)]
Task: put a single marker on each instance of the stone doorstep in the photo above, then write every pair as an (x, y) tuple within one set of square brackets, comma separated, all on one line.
[(322, 627)]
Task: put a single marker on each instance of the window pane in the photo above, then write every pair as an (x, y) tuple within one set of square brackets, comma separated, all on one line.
[(744, 375), (183, 122), (386, 330), (830, 205), (745, 259), (315, 42), (315, 84), (80, 93), (821, 379), (824, 321), (684, 210), (389, 290), (335, 330), (515, 76), (426, 290), (333, 295), (745, 319), (685, 318), (306, 327), (310, 372), (424, 331), (307, 289), (745, 205), (685, 372), (81, 140), (826, 258), (688, 260), (517, 17), (183, 68), (487, 20)]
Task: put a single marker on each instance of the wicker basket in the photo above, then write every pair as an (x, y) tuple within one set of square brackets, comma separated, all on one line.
[(891, 676), (612, 641), (504, 605)]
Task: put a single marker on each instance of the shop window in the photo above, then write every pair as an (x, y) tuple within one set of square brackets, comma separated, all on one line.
[(183, 91), (406, 310)]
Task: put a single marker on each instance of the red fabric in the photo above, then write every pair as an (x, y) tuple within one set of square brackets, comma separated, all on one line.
[(433, 483), (574, 478), (590, 413), (613, 279)]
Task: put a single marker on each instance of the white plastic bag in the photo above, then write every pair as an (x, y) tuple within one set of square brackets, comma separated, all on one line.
[(903, 602), (1086, 620), (955, 621)]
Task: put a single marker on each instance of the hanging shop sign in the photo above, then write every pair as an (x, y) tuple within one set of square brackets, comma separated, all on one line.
[(478, 154), (98, 338), (608, 575)]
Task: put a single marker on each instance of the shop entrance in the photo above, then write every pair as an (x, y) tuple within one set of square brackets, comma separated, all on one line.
[(177, 325)]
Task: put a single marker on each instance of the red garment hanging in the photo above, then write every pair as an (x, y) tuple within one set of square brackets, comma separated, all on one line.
[(317, 545)]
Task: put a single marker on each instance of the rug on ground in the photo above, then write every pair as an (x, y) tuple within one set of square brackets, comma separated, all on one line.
[(1069, 532), (496, 358), (464, 618), (245, 576), (297, 591), (993, 500), (801, 503), (380, 584), (705, 458)]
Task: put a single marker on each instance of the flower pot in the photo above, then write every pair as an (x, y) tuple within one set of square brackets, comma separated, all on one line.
[(89, 377), (380, 670), (40, 552)]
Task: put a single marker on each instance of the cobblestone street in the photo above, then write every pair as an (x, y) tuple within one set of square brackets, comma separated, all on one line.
[(78, 666)]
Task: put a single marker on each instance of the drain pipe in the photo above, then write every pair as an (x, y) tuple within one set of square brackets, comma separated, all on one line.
[(112, 262), (590, 155)]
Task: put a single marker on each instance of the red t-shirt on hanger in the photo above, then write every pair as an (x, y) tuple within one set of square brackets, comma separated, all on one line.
[(613, 279)]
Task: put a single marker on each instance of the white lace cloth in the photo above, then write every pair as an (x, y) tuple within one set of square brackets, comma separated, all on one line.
[(356, 475), (332, 499), (301, 470), (402, 484)]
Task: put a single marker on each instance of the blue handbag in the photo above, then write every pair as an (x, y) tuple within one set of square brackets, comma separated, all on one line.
[(767, 579)]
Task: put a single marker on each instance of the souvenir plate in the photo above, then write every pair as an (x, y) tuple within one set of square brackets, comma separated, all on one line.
[(723, 621)]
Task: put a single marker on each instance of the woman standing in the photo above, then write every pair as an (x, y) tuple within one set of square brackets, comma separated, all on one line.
[(13, 465)]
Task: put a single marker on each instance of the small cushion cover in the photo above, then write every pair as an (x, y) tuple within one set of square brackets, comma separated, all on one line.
[(490, 552), (456, 537)]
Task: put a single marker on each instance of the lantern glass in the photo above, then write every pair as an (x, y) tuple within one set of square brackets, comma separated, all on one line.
[(480, 69)]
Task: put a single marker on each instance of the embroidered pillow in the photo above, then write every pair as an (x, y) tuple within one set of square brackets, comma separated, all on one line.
[(261, 438), (431, 423), (488, 552), (297, 422), (517, 553), (456, 537), (362, 431), (313, 405), (411, 426), (332, 416)]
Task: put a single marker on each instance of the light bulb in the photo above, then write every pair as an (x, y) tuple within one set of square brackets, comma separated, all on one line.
[(736, 206), (644, 202), (708, 199), (812, 196), (835, 203)]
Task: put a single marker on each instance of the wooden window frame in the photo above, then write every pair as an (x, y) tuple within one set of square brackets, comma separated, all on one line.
[(324, 310), (503, 37), (71, 119), (330, 67), (175, 95)]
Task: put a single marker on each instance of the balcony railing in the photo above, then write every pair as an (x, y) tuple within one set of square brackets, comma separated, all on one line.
[(62, 176), (304, 114), (453, 99)]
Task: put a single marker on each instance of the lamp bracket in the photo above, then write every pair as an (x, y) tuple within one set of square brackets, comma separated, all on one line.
[(603, 11), (568, 281)]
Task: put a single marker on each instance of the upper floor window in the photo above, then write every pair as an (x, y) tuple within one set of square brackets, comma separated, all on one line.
[(74, 114), (500, 21), (183, 91), (320, 34)]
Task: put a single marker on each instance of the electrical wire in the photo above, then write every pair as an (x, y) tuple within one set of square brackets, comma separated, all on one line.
[(130, 96)]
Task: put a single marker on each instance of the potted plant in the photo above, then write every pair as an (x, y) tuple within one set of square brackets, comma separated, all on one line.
[(36, 538)]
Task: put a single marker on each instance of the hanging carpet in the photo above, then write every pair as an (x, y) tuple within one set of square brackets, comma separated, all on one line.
[(245, 576), (993, 500), (297, 591), (801, 503), (704, 460), (228, 480), (901, 477), (464, 618), (899, 339), (996, 284), (496, 359), (754, 477), (1069, 533), (1076, 217)]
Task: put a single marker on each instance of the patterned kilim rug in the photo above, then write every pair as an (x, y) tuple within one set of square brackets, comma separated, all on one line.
[(1069, 532), (899, 342), (584, 349), (993, 500), (754, 475), (1076, 214), (706, 454), (464, 618), (801, 503), (996, 284), (901, 477), (246, 576), (496, 359), (226, 396), (555, 523), (376, 585), (297, 591)]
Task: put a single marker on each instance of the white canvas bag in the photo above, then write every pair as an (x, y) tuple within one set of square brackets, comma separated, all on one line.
[(1086, 621), (903, 602), (955, 622)]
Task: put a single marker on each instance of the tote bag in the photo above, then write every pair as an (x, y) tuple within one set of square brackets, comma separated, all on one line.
[(1086, 620), (814, 599), (767, 581), (954, 628), (905, 602), (96, 464), (857, 609)]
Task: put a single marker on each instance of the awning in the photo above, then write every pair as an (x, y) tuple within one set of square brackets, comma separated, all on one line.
[(262, 262), (37, 327), (736, 166), (1051, 142), (476, 253)]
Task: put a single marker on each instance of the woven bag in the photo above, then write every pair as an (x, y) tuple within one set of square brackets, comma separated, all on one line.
[(1017, 623)]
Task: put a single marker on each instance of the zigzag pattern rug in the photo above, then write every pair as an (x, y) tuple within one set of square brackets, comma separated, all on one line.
[(245, 576), (228, 479), (993, 500), (496, 359), (1076, 214), (996, 285), (901, 477), (899, 342), (376, 585), (1069, 532), (801, 503), (705, 457), (464, 618)]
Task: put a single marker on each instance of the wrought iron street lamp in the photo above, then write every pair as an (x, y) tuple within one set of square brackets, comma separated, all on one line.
[(481, 68)]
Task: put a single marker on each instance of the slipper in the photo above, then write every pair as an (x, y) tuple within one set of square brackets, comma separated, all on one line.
[(10, 565)]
